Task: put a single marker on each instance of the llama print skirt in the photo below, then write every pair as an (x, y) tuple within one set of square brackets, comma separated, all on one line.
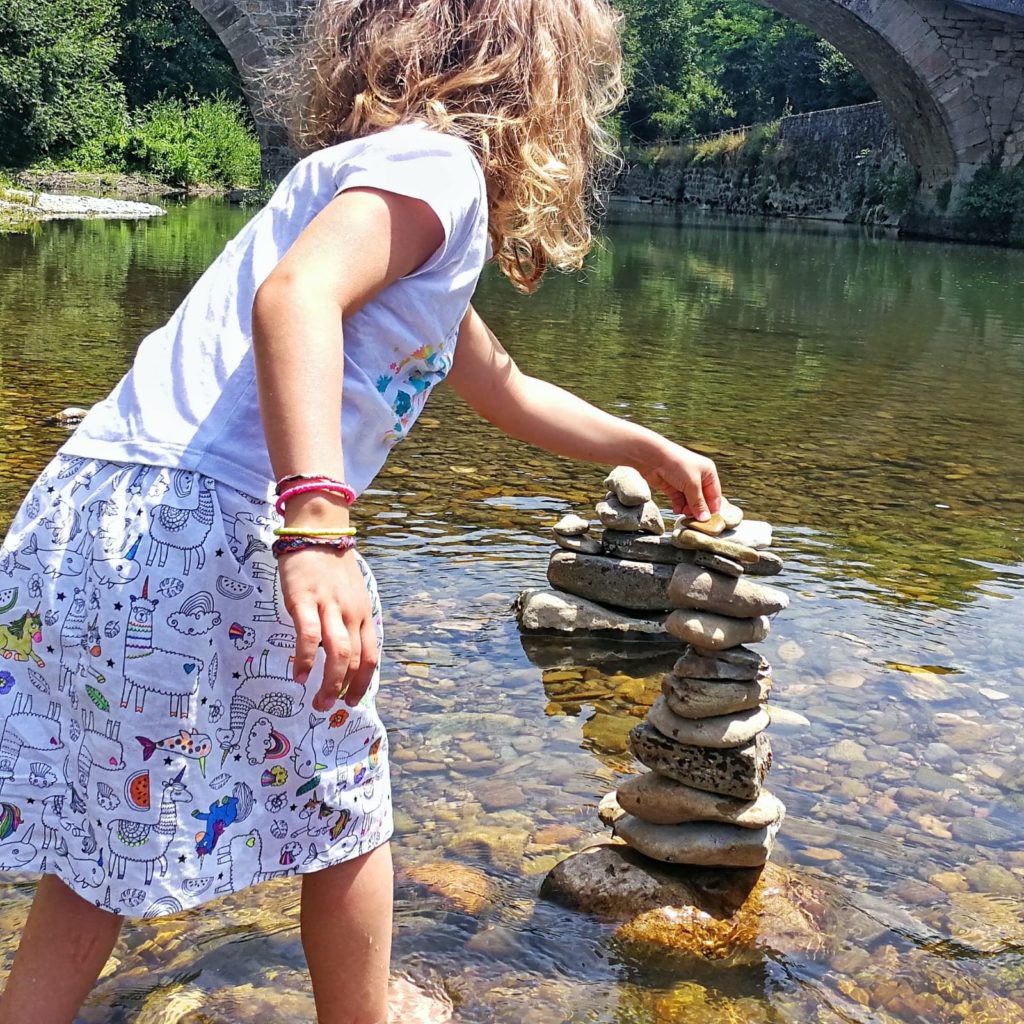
[(155, 751)]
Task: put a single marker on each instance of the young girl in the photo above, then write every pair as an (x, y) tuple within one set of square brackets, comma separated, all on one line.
[(187, 696)]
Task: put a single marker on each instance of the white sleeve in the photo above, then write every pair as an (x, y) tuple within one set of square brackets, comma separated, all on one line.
[(437, 169)]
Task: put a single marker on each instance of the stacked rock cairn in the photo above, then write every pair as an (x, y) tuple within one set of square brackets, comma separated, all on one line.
[(703, 801)]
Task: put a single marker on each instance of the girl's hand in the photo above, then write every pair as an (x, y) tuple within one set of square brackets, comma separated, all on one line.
[(690, 480), (327, 599)]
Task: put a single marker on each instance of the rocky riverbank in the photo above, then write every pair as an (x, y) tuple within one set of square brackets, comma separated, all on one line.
[(22, 206)]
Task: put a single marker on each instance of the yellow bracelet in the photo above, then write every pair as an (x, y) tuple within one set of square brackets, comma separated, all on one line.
[(285, 531)]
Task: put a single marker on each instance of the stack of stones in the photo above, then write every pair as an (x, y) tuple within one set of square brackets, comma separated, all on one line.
[(703, 801)]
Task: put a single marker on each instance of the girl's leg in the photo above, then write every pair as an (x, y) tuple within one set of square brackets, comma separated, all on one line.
[(346, 934), (63, 948)]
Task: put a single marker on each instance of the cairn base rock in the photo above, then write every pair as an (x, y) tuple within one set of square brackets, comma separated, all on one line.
[(733, 914)]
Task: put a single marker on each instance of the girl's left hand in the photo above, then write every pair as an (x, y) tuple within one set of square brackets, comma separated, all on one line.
[(689, 479)]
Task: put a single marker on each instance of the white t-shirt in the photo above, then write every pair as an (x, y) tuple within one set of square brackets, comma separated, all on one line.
[(189, 401)]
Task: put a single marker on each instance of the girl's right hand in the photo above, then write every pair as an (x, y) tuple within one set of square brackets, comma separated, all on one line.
[(326, 596)]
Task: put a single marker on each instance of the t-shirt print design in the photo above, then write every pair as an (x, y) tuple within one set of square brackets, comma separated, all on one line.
[(408, 385)]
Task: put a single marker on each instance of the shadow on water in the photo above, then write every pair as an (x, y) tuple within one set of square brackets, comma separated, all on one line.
[(866, 396)]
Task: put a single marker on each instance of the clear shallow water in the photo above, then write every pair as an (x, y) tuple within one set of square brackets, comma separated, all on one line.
[(867, 397)]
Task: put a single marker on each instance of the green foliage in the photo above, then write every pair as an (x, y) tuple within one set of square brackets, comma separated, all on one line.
[(206, 142), (894, 187), (993, 201), (122, 85), (167, 50), (698, 66), (57, 89)]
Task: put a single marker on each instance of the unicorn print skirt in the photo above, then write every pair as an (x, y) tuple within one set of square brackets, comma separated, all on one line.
[(155, 751)]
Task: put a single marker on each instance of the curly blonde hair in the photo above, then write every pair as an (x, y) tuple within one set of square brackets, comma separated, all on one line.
[(527, 83)]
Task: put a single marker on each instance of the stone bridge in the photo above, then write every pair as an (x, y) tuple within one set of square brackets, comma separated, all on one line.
[(951, 74)]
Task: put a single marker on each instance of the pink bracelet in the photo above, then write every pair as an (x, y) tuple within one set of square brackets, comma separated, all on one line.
[(331, 486)]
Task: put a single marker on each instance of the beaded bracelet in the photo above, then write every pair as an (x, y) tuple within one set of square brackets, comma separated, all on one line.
[(330, 486), (289, 545), (287, 531)]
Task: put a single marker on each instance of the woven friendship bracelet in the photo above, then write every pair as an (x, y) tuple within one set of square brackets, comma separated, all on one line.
[(329, 486), (289, 545), (287, 531)]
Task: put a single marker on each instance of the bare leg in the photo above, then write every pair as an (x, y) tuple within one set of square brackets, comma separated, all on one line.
[(346, 934), (63, 948)]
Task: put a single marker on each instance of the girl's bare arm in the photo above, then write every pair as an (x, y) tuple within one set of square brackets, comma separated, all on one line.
[(360, 243), (550, 417)]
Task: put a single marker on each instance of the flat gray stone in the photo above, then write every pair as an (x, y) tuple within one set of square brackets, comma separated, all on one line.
[(752, 533), (767, 564), (644, 518), (706, 844), (552, 611), (717, 563), (694, 540), (721, 732), (643, 547), (572, 525), (640, 586), (738, 598), (734, 665), (711, 632), (628, 486), (661, 801), (582, 543), (737, 772), (757, 563), (711, 698)]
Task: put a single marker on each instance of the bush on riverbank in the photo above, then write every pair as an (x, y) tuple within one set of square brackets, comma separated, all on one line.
[(993, 202), (71, 70), (207, 142)]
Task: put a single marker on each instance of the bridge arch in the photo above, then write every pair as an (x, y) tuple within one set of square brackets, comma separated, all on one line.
[(872, 36), (254, 33)]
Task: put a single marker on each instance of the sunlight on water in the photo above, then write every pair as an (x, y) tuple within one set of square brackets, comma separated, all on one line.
[(866, 396)]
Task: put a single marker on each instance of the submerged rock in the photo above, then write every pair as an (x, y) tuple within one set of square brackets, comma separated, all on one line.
[(713, 914), (553, 610), (639, 586)]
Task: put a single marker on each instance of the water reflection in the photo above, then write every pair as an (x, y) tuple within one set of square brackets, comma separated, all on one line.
[(865, 395)]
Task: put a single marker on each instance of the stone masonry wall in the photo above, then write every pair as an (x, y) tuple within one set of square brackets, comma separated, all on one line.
[(825, 165)]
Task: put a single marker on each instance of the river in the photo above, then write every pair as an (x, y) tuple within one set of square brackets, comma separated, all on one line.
[(864, 395)]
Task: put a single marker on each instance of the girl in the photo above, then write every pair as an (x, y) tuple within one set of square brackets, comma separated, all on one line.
[(187, 701)]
